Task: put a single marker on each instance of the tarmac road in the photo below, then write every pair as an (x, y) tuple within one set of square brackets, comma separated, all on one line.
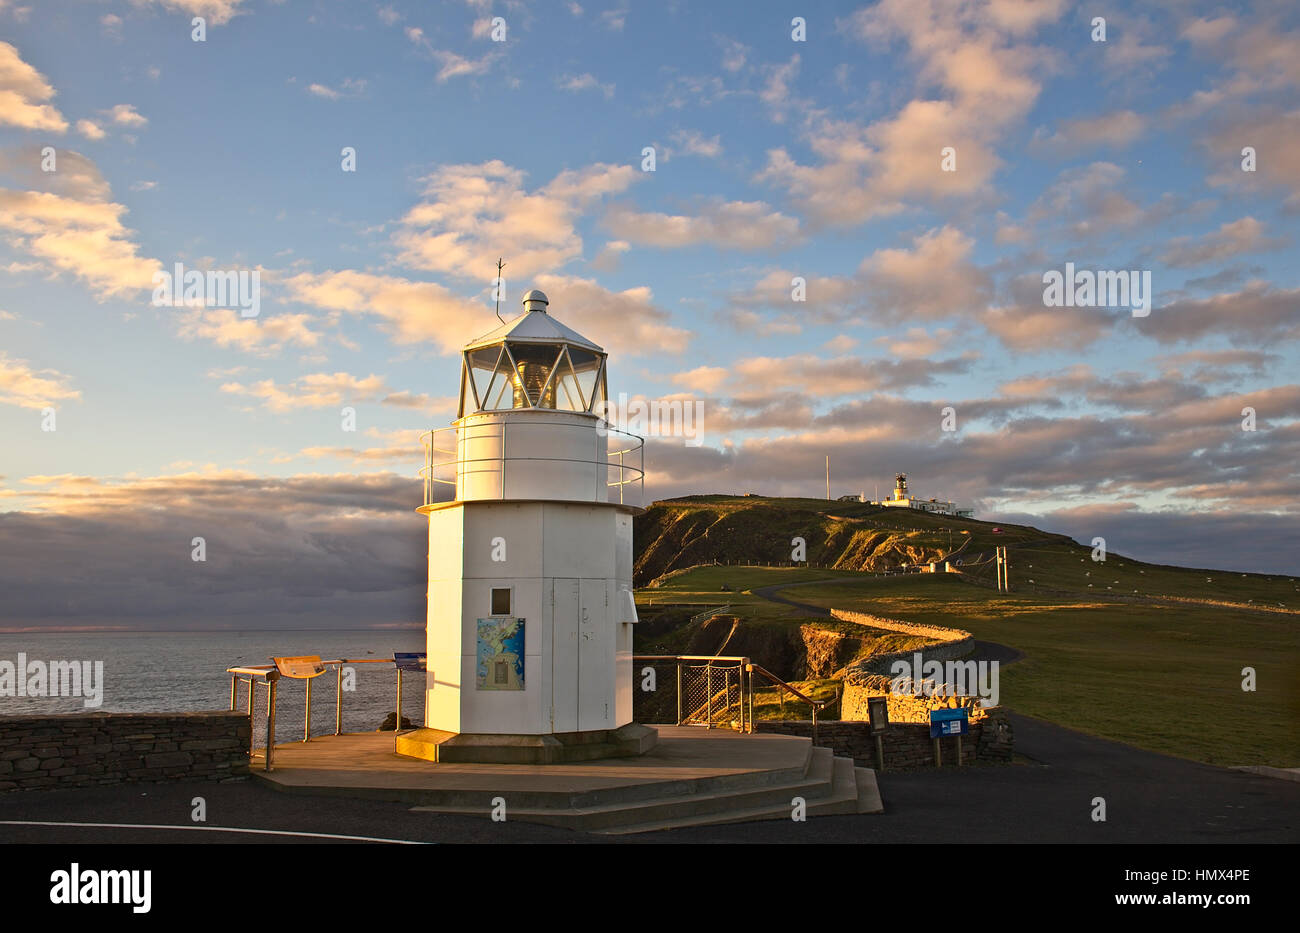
[(1150, 798)]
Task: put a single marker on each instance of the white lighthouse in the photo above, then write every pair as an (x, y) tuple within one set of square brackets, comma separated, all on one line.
[(530, 498)]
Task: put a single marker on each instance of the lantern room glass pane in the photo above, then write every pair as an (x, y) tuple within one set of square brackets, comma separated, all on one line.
[(599, 395), (482, 364), (500, 390), (534, 364), (586, 370), (467, 403), (568, 397)]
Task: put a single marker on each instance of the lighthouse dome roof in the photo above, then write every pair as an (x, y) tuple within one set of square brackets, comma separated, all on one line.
[(535, 325)]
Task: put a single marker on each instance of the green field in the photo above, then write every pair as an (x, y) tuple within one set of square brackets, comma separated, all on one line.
[(1162, 677), (1142, 653), (704, 586)]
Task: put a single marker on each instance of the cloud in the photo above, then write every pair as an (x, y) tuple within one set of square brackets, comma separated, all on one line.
[(76, 177), (452, 64), (776, 91), (819, 377), (1263, 53), (316, 390), (692, 142), (585, 82), (1234, 539), (456, 66), (1126, 50), (410, 311), (472, 214), (351, 87), (85, 238), (1258, 314), (1024, 323), (1231, 239), (1085, 202), (734, 54), (125, 115), (401, 447), (724, 225), (614, 20), (1215, 366), (917, 343), (305, 551), (625, 323), (90, 130), (608, 258), (1116, 130), (934, 279), (1274, 134), (265, 335), (329, 390), (215, 12), (972, 53), (24, 95), (25, 387)]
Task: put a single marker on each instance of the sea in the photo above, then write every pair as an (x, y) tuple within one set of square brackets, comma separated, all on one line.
[(150, 672)]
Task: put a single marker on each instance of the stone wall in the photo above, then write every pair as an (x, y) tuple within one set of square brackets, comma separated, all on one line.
[(82, 749), (905, 705), (949, 643), (906, 745)]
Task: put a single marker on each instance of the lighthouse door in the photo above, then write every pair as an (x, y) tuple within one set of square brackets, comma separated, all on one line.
[(564, 655), (595, 658)]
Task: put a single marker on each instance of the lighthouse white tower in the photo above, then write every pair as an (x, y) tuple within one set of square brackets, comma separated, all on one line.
[(530, 497)]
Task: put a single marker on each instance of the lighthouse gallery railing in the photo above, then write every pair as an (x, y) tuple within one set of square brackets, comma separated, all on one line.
[(628, 469)]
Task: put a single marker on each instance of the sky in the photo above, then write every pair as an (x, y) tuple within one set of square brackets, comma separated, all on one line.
[(840, 251)]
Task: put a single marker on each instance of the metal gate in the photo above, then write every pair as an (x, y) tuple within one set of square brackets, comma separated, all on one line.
[(711, 694)]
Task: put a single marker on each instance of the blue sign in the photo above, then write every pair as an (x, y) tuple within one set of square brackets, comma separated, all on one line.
[(948, 722), (408, 660)]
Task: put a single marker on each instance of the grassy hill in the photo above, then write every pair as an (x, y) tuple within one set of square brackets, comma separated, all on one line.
[(679, 533), (1142, 653)]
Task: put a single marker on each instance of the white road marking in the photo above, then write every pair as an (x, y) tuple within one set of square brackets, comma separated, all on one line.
[(213, 829)]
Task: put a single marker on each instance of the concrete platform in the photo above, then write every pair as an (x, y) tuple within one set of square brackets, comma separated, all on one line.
[(691, 777), (451, 747)]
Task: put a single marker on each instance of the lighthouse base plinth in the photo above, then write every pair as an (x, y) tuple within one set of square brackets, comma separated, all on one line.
[(467, 747)]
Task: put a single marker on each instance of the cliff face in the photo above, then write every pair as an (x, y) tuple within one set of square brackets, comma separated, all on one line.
[(680, 533)]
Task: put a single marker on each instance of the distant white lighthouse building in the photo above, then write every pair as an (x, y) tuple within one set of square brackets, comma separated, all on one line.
[(530, 607)]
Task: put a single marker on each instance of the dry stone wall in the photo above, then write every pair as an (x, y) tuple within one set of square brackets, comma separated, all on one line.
[(906, 745), (82, 749)]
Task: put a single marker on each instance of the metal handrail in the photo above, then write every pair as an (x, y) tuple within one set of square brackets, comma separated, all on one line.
[(628, 475), (269, 674), (815, 704), (708, 614)]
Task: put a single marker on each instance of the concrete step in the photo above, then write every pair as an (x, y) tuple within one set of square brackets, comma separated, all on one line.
[(670, 804), (843, 799), (868, 791)]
